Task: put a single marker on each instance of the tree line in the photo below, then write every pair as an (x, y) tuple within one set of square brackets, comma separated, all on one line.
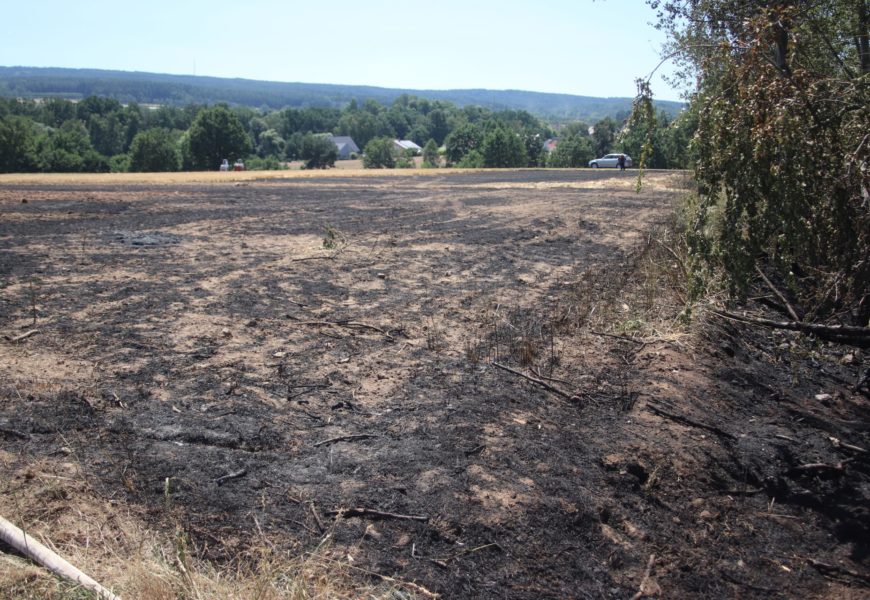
[(782, 150), (99, 134)]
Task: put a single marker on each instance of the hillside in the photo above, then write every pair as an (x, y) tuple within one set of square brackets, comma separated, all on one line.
[(154, 88)]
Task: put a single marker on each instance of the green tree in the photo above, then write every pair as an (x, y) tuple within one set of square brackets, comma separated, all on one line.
[(154, 150), (68, 150), (571, 152), (270, 143), (604, 136), (461, 141), (318, 152), (216, 134), (379, 154), (438, 126), (17, 145), (431, 159), (364, 125), (503, 148), (782, 173), (108, 133)]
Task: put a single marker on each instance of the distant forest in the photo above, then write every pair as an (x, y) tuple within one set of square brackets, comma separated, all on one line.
[(180, 90), (107, 130)]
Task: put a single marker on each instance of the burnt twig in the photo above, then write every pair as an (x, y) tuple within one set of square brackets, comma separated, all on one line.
[(644, 584), (370, 513), (617, 336), (826, 569), (345, 438), (845, 334), (230, 476), (687, 421), (316, 518), (779, 294), (348, 324), (23, 336), (544, 384)]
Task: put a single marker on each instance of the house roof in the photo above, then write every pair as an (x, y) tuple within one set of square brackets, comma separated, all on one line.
[(343, 141), (407, 145)]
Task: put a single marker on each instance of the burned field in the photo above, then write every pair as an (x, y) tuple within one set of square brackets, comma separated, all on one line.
[(471, 384)]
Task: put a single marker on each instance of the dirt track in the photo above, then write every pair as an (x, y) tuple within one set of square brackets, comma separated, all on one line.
[(205, 334)]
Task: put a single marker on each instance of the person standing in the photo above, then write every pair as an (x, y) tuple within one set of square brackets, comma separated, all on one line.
[(620, 162)]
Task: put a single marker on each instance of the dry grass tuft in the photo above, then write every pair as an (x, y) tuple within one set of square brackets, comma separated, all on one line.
[(110, 542)]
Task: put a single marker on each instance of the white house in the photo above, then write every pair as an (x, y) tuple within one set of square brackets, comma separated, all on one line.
[(402, 145), (345, 146)]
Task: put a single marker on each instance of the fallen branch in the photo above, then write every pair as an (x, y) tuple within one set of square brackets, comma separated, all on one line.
[(349, 324), (539, 375), (321, 257), (838, 444), (370, 513), (846, 334), (29, 547), (23, 336), (687, 421), (230, 476), (345, 438), (544, 384), (643, 590), (779, 294), (826, 569), (617, 336), (316, 518)]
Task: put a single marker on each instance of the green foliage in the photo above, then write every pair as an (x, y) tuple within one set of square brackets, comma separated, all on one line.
[(69, 150), (603, 136), (461, 141), (431, 159), (332, 237), (216, 134), (571, 152), (503, 148), (120, 163), (206, 135), (472, 160), (378, 154), (783, 108), (318, 152), (270, 143), (154, 151), (365, 124), (17, 145), (270, 163)]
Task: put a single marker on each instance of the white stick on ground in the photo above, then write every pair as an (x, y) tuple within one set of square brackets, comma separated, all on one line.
[(29, 547)]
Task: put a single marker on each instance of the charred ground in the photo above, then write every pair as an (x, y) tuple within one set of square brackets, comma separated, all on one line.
[(247, 360)]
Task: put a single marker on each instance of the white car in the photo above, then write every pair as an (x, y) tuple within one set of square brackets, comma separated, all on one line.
[(610, 160)]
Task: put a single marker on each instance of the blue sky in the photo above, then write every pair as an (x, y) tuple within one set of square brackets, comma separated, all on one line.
[(586, 47)]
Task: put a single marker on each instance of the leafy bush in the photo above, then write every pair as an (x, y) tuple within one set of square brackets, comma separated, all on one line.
[(378, 154), (472, 160), (270, 163), (318, 152), (782, 146), (431, 159), (154, 151)]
